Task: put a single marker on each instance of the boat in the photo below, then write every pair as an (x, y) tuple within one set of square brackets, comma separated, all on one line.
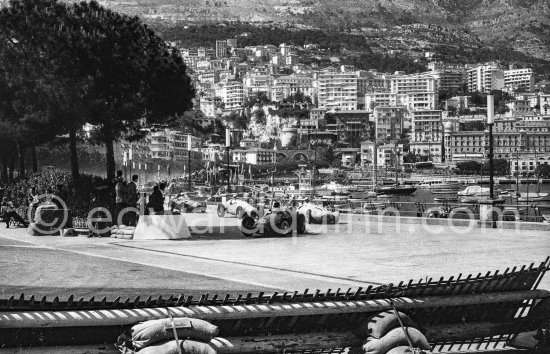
[(395, 190), (533, 197), (474, 191)]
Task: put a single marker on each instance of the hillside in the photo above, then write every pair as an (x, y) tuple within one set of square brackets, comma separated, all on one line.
[(523, 25)]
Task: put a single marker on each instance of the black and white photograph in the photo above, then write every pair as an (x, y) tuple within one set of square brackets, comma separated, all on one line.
[(274, 176)]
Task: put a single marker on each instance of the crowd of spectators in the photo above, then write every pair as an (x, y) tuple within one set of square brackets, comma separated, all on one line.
[(37, 188)]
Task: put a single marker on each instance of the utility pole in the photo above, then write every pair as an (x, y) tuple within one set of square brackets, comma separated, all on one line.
[(227, 146), (189, 161)]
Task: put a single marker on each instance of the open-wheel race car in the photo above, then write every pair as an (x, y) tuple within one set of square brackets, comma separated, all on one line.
[(316, 214), (237, 207), (279, 223), (184, 203)]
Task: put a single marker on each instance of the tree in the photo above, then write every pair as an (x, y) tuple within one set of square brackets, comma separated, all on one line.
[(136, 79), (104, 68)]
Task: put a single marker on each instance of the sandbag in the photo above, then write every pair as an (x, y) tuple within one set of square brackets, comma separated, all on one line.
[(126, 237), (128, 232), (395, 338), (383, 322), (154, 331), (187, 347)]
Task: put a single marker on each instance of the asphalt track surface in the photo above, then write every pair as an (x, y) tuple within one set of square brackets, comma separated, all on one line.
[(350, 254)]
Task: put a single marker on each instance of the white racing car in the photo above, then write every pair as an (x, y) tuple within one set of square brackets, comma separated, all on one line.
[(316, 214), (237, 207)]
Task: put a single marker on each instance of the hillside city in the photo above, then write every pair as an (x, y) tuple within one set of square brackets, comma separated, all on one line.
[(280, 110)]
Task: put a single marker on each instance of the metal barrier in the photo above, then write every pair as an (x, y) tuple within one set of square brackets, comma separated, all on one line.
[(486, 309)]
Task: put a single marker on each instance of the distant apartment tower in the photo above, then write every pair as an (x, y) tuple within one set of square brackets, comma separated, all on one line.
[(485, 78), (389, 122), (426, 126), (421, 89), (231, 93), (515, 78), (448, 80), (221, 49), (285, 49), (338, 91)]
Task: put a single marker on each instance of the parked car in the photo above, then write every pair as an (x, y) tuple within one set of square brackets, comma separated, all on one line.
[(237, 207), (316, 214), (184, 203), (279, 223)]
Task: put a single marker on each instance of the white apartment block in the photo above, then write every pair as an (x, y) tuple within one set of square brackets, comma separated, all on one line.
[(515, 78), (408, 84), (426, 126), (338, 91), (231, 94), (301, 83), (485, 78), (422, 90), (448, 80), (254, 156)]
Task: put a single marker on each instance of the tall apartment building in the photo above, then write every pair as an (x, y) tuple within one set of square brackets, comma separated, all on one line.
[(485, 78), (448, 80), (389, 122), (515, 78), (221, 49), (426, 126), (421, 90), (338, 91), (301, 83), (231, 94)]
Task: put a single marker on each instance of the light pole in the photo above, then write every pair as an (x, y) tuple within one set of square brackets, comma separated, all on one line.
[(490, 123), (189, 162), (227, 146)]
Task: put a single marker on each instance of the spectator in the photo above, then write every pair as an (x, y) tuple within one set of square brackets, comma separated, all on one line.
[(8, 212), (132, 197), (120, 196), (156, 201), (33, 201)]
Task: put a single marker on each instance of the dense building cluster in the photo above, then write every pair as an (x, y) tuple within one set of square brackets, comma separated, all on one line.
[(423, 116)]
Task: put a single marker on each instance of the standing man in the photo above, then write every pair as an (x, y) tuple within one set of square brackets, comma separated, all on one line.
[(132, 199), (120, 195)]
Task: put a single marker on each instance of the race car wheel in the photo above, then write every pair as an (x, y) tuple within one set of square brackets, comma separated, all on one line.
[(221, 211), (247, 226), (300, 223), (239, 213), (284, 226)]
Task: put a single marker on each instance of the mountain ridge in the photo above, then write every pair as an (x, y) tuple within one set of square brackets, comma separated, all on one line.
[(523, 25)]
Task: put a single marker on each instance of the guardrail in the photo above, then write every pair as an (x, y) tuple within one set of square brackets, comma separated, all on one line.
[(487, 309)]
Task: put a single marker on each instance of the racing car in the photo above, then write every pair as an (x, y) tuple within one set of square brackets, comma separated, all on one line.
[(315, 214), (237, 207), (182, 203), (279, 223)]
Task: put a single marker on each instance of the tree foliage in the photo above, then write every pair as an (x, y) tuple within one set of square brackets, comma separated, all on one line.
[(95, 66)]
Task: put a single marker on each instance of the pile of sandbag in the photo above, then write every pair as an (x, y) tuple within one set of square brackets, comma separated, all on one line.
[(387, 336), (157, 336), (123, 231)]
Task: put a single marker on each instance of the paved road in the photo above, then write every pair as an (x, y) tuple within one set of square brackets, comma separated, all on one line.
[(346, 255)]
